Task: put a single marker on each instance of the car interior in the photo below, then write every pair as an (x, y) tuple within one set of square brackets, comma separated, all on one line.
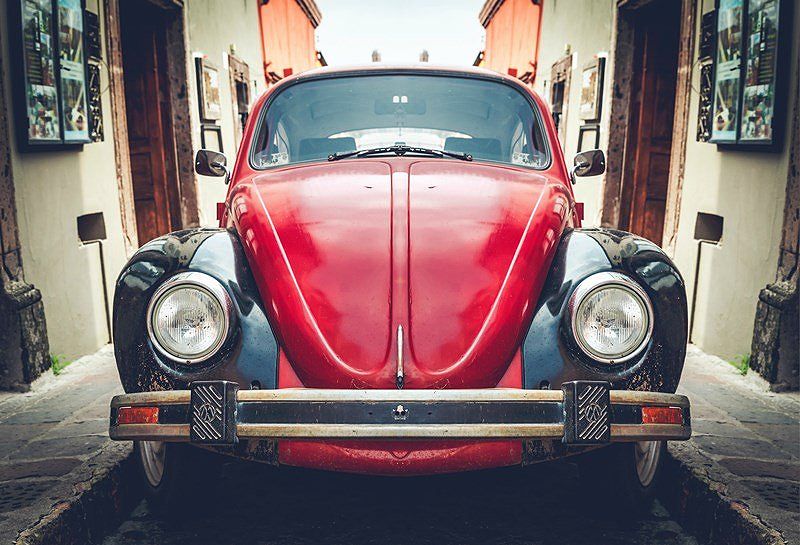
[(487, 119)]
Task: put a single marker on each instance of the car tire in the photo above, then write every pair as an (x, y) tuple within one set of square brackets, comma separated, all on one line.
[(622, 479), (175, 477)]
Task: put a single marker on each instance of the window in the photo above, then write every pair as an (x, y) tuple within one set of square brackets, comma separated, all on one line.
[(490, 120)]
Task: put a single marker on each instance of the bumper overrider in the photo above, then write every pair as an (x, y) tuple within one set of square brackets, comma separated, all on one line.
[(581, 413)]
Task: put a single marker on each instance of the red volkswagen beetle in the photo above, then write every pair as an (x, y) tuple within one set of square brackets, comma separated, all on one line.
[(400, 285)]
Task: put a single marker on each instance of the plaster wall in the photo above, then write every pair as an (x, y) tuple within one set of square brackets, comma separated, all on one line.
[(585, 30), (215, 29), (52, 189), (748, 190)]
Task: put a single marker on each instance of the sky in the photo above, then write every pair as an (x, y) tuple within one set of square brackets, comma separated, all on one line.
[(400, 30)]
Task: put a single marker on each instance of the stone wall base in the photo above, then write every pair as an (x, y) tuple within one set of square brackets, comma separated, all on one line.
[(23, 336), (774, 353)]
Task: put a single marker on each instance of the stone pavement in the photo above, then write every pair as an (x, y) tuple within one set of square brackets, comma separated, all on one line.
[(55, 454), (740, 471), (63, 482)]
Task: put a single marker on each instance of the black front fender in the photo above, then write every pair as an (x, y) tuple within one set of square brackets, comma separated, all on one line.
[(249, 356), (550, 354)]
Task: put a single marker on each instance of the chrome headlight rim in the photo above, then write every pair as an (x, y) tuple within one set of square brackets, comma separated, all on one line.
[(591, 285), (211, 287)]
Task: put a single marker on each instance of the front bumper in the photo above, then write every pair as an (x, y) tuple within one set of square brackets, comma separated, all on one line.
[(581, 413)]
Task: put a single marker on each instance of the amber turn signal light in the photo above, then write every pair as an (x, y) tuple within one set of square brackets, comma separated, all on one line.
[(662, 415), (137, 415)]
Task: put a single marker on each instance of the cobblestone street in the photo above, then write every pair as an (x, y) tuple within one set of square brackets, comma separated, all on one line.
[(61, 476), (263, 505)]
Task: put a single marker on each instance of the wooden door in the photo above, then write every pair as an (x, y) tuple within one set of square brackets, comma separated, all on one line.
[(150, 135), (646, 177)]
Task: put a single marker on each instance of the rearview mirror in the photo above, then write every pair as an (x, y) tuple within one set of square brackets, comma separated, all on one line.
[(211, 163), (589, 163), (400, 105)]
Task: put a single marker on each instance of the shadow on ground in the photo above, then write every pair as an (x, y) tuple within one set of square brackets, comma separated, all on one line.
[(265, 505)]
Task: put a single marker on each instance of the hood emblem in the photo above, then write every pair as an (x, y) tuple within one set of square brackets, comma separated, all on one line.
[(400, 379), (400, 413)]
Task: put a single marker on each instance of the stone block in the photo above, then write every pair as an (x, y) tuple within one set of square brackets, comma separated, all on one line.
[(745, 467), (729, 446), (775, 354), (54, 467)]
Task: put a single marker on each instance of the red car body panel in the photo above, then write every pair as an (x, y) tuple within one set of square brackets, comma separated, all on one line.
[(454, 252)]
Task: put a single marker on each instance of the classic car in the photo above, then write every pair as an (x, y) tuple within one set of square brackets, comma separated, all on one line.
[(400, 285)]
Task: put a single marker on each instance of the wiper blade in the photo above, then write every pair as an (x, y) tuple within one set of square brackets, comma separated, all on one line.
[(400, 150)]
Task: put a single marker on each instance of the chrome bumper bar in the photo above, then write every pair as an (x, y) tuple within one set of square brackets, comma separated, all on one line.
[(216, 413)]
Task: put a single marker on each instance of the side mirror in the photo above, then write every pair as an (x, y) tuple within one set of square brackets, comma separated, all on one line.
[(589, 163), (211, 163)]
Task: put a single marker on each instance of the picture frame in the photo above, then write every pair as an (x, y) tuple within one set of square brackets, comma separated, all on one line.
[(592, 90), (588, 137), (49, 74), (208, 90), (750, 103), (211, 137), (37, 103), (728, 72), (72, 72), (761, 92), (707, 47), (92, 38), (96, 130), (705, 102)]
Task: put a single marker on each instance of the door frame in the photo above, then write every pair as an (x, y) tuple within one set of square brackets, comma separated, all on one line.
[(623, 57), (178, 70)]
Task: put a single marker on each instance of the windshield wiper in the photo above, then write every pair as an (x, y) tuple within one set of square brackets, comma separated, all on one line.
[(400, 150)]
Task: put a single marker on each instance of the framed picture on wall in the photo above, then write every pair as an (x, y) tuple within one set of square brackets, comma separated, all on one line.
[(37, 44), (588, 137), (760, 74), (749, 104), (592, 90), (211, 137), (208, 90), (49, 79), (728, 73), (72, 72)]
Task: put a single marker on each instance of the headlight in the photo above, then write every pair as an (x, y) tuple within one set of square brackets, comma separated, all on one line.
[(611, 317), (189, 317)]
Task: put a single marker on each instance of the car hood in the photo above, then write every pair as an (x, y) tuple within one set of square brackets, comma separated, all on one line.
[(347, 254)]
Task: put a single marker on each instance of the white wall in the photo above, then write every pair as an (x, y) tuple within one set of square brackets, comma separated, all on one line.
[(53, 188), (213, 28), (586, 28), (748, 190)]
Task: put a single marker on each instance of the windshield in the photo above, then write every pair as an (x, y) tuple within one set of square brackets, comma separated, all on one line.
[(312, 120)]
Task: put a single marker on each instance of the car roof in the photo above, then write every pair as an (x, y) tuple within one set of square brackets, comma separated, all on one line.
[(422, 68), (380, 67)]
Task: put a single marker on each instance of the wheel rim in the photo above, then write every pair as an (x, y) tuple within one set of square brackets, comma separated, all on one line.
[(647, 454), (153, 454)]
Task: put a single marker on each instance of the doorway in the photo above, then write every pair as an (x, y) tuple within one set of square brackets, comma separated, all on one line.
[(656, 33), (151, 134)]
